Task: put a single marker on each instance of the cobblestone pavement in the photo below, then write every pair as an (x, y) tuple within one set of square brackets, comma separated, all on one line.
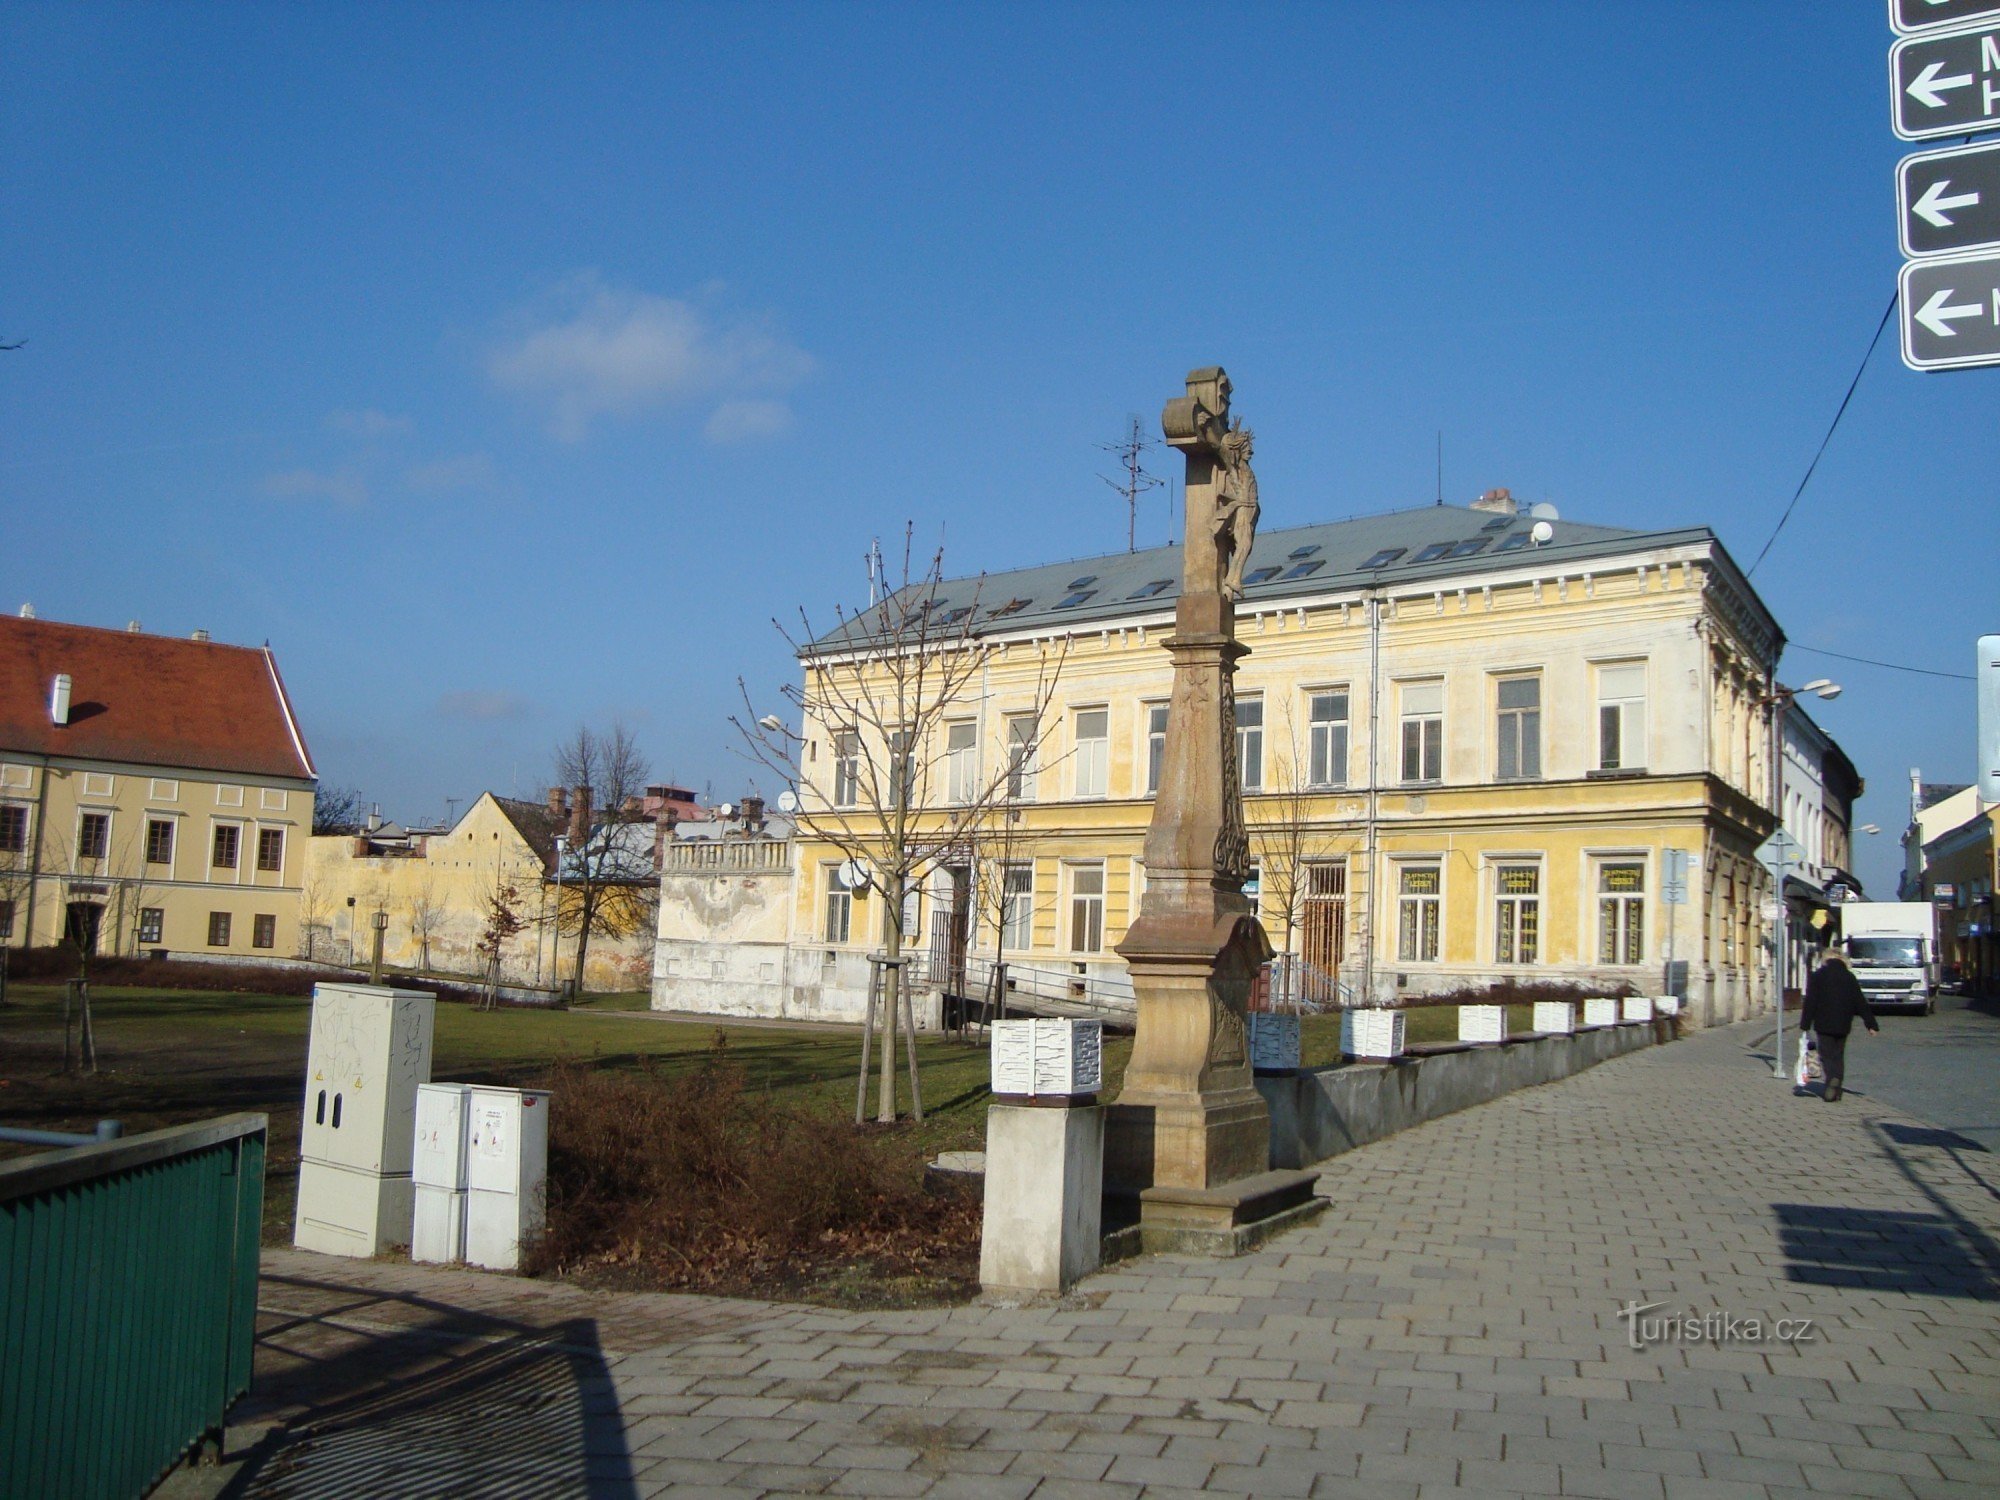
[(1452, 1325)]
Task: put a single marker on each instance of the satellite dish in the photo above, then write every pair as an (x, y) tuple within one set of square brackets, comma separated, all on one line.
[(853, 875), (1541, 510), (1542, 532), (788, 801), (727, 810)]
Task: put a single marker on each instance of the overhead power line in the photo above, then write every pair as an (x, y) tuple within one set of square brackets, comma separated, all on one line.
[(1891, 666)]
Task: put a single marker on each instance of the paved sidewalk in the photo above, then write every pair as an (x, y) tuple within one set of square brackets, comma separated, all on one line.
[(1450, 1326)]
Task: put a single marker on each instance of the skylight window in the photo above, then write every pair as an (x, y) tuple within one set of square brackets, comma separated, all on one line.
[(1498, 523), (1011, 607), (1081, 596), (1084, 582), (1298, 552), (1433, 552), (1466, 549), (1515, 542), (1153, 590), (1383, 558), (1306, 569), (1259, 575), (954, 616)]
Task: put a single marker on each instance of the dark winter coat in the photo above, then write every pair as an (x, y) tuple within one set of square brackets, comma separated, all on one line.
[(1834, 1001)]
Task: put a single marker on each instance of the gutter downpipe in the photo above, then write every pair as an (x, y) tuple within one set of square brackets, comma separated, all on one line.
[(35, 859), (1368, 927)]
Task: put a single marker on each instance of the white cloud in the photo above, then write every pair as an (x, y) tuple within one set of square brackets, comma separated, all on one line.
[(593, 350), (484, 707), (340, 488), (736, 421), (466, 471), (369, 423)]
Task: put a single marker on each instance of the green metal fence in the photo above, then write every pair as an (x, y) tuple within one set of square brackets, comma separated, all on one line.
[(128, 1305)]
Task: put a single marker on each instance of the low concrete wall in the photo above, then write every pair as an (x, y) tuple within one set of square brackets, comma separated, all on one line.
[(1319, 1114)]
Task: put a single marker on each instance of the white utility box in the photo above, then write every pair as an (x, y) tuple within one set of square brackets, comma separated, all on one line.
[(506, 1174), (1482, 1023), (1555, 1017), (1600, 1010), (1667, 1005), (1038, 1057), (438, 1171), (1372, 1033), (1636, 1008), (370, 1049), (1274, 1042)]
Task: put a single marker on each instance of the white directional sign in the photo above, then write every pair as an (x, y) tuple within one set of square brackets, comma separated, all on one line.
[(1949, 201), (1947, 84), (1910, 17), (1951, 312)]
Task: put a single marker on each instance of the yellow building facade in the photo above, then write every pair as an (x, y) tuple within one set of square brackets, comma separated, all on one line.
[(1468, 748)]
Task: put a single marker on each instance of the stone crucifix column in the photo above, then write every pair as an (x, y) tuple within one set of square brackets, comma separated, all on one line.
[(1189, 1135)]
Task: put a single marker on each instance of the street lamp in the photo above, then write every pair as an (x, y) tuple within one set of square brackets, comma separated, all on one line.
[(1776, 701), (555, 931)]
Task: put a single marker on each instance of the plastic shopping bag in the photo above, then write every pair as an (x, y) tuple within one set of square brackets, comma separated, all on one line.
[(1807, 1069)]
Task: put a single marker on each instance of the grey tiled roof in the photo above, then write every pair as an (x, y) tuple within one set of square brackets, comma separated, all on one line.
[(1117, 586)]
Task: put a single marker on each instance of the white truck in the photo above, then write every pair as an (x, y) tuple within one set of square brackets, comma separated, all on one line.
[(1892, 948)]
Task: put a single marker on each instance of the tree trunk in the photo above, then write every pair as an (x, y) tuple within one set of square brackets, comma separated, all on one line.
[(892, 979)]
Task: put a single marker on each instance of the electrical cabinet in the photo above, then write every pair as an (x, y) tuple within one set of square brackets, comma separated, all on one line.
[(368, 1053), (438, 1172), (506, 1171)]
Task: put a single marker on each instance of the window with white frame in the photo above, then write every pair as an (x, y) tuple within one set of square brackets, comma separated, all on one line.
[(1250, 742), (1621, 716), (1621, 911), (1517, 913), (1093, 751), (6, 919), (159, 841), (228, 842), (961, 751), (1419, 912), (1423, 730), (1086, 908), (1519, 727), (271, 849), (839, 918), (1326, 715), (1017, 906), (13, 828), (1022, 732), (93, 835), (846, 767), (152, 924), (1156, 745)]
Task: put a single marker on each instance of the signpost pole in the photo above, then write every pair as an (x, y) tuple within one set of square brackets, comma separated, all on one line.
[(1779, 942)]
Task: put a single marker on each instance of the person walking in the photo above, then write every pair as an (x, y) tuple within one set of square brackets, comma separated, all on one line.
[(1833, 1002)]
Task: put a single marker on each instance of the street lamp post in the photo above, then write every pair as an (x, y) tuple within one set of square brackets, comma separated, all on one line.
[(1777, 700), (555, 928)]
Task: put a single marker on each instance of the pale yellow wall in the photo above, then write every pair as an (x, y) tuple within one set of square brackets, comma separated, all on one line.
[(186, 889)]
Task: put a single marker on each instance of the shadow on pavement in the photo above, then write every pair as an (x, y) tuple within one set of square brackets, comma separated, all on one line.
[(442, 1403), (1879, 1250)]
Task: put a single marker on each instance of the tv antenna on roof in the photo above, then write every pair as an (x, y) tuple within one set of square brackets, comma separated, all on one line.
[(1136, 481)]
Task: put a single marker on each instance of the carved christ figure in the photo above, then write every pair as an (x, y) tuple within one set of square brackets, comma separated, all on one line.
[(1235, 507)]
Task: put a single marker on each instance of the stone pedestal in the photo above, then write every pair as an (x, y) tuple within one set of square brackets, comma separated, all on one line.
[(1044, 1197)]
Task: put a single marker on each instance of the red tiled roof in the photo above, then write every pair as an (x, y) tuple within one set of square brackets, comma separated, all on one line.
[(150, 700)]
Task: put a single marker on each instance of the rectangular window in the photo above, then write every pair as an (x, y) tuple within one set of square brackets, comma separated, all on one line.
[(1517, 914), (839, 906), (1017, 907), (1418, 913), (902, 770), (1250, 742), (6, 919), (1423, 731), (93, 835), (159, 841), (1520, 728), (1093, 751), (270, 848), (1156, 745), (263, 931), (1021, 737), (218, 929), (1621, 717), (13, 829), (961, 751), (152, 924), (227, 837), (846, 767), (1086, 908), (1621, 912), (1327, 713)]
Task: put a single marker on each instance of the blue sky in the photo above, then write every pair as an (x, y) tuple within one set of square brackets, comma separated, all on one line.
[(512, 366)]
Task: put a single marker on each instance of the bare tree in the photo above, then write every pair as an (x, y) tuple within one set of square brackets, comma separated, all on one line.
[(427, 913), (893, 791), (609, 886), (503, 920), (314, 917), (337, 809), (1287, 838)]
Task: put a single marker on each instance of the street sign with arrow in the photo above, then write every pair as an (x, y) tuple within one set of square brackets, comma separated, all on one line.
[(1951, 312), (1910, 17), (1949, 201), (1947, 84)]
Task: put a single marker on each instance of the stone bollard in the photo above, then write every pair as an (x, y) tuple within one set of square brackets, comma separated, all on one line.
[(1044, 1218)]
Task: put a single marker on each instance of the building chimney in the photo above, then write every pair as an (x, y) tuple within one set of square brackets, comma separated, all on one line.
[(1500, 502), (375, 817), (579, 819), (59, 699), (558, 804), (27, 611), (131, 627), (753, 814), (199, 635)]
